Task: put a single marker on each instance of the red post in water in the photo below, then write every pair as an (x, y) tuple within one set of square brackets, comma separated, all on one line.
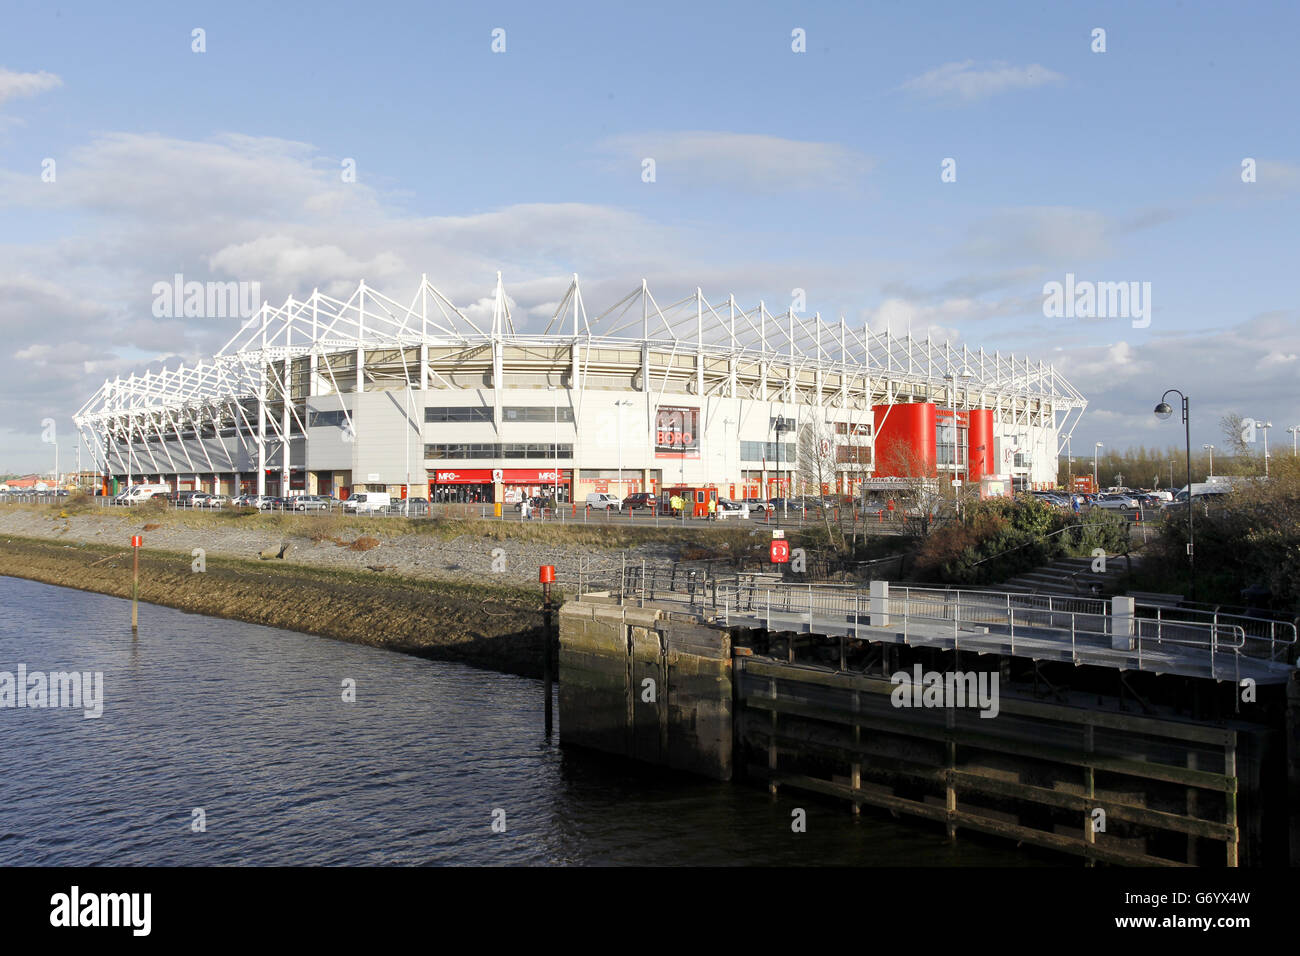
[(546, 574), (136, 543)]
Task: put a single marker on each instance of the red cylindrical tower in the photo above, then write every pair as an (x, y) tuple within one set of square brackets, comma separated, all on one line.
[(905, 440), (980, 456)]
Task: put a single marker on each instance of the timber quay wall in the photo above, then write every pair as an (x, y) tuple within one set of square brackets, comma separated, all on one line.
[(1112, 776)]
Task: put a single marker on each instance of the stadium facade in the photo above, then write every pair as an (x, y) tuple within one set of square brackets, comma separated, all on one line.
[(331, 396)]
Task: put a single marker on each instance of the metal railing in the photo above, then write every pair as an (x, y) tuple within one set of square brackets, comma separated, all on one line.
[(1080, 630)]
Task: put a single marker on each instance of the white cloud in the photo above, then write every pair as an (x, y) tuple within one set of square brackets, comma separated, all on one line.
[(967, 83), (743, 161), (14, 85)]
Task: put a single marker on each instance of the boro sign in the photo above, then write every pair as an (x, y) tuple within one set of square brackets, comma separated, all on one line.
[(677, 432)]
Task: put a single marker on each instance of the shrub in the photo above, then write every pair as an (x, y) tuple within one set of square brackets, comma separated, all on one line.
[(1001, 537)]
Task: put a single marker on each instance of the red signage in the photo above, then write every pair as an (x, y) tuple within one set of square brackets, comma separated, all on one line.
[(484, 476), (136, 541), (780, 551)]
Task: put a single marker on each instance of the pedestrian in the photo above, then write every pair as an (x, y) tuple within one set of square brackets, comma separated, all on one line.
[(713, 509), (891, 509)]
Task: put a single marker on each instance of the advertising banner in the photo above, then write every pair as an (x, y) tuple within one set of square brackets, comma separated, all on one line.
[(677, 432)]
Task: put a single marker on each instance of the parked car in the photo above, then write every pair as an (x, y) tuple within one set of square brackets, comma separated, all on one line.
[(308, 503), (732, 509), (368, 502), (1116, 502), (757, 504), (638, 500), (138, 494), (271, 503), (602, 501), (216, 501), (415, 506)]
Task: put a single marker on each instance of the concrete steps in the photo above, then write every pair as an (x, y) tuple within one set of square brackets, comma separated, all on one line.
[(1069, 577)]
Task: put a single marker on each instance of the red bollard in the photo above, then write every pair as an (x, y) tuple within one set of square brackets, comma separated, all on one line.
[(881, 515)]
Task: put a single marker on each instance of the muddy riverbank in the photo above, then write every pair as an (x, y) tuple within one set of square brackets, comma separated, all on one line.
[(490, 626)]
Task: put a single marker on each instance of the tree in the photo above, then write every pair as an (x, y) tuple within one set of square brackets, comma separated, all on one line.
[(1235, 435), (816, 463), (920, 486)]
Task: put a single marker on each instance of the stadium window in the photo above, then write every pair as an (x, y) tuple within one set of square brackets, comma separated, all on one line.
[(458, 413), (325, 419), (529, 413)]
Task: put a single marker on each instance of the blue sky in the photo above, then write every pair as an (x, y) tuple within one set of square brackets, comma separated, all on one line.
[(775, 170)]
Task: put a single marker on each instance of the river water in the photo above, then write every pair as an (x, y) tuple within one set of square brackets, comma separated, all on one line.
[(248, 724)]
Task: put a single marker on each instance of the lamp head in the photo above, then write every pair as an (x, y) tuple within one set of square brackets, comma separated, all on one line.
[(1163, 411)]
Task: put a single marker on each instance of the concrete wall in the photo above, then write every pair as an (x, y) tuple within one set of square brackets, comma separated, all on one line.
[(647, 685)]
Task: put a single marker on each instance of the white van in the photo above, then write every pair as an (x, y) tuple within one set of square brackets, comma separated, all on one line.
[(138, 493), (368, 501), (599, 501)]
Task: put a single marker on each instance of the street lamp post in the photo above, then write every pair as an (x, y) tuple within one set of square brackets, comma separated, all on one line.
[(952, 379), (1264, 427), (726, 448), (1163, 411), (620, 405), (555, 442), (1293, 429), (1096, 481), (781, 427), (1210, 448)]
